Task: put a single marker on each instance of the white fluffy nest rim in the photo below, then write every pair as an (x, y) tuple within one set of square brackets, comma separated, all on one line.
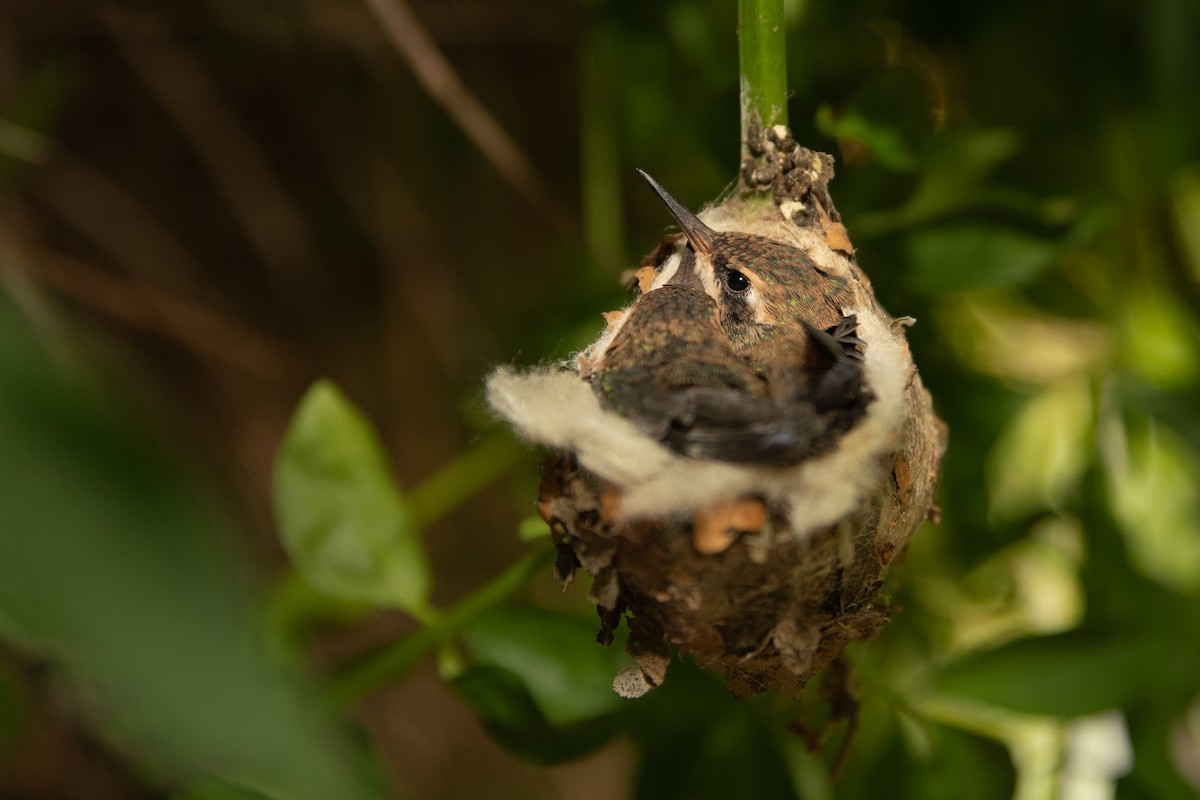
[(552, 406)]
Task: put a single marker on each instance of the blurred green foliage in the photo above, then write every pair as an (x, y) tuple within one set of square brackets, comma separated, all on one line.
[(1022, 178), (112, 572)]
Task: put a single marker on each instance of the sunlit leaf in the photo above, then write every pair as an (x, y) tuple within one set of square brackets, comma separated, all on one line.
[(1041, 454), (1154, 490), (998, 333), (1030, 587), (1158, 338), (343, 522), (1098, 751), (1034, 742), (532, 528)]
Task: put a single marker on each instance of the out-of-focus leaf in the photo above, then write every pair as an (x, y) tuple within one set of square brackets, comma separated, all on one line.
[(954, 164), (296, 608), (1041, 454), (1185, 197), (1158, 338), (972, 255), (556, 657), (1154, 490), (532, 528), (882, 140), (36, 108), (953, 167), (508, 709), (735, 756), (1066, 676), (114, 570), (345, 525), (1030, 587), (699, 743), (1034, 742), (216, 790), (12, 711), (958, 759), (998, 333)]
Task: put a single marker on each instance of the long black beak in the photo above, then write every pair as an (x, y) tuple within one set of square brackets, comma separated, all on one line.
[(699, 235)]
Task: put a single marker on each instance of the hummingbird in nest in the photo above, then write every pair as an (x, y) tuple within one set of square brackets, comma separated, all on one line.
[(738, 352)]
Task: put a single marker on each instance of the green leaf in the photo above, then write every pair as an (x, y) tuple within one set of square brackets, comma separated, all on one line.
[(884, 140), (1158, 336), (974, 256), (345, 525), (962, 758), (1154, 491), (1042, 452), (514, 719), (699, 743), (954, 166), (115, 572), (1067, 676), (555, 655), (532, 528)]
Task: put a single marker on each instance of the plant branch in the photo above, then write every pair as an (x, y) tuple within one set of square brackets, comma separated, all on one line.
[(240, 169), (435, 74), (763, 63), (394, 659), (450, 486)]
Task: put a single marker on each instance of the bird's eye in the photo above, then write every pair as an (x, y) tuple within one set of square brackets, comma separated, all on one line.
[(736, 282)]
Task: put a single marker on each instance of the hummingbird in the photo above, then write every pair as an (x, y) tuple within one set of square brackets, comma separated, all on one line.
[(728, 360), (764, 288)]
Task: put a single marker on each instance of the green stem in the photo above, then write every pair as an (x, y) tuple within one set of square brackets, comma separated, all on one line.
[(462, 478), (392, 660), (763, 62)]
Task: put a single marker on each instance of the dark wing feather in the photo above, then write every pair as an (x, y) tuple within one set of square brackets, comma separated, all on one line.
[(729, 423)]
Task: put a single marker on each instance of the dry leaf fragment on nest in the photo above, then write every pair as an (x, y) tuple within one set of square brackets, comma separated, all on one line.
[(719, 526), (745, 448)]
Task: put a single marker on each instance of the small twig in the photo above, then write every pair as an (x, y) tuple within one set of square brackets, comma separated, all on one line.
[(155, 311), (115, 219), (393, 660), (439, 308), (22, 143), (273, 225), (454, 483), (434, 72)]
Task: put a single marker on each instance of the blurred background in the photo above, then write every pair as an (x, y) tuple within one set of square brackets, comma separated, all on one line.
[(207, 205)]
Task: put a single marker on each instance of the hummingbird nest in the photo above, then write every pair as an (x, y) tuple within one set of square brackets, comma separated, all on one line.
[(746, 447)]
